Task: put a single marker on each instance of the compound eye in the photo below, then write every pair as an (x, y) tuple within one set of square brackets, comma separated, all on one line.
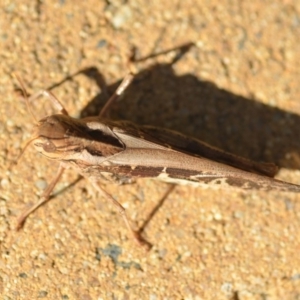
[(48, 146)]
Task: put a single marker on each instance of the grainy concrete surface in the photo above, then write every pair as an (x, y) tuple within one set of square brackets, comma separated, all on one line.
[(237, 88)]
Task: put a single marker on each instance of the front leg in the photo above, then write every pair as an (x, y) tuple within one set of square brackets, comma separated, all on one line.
[(44, 198)]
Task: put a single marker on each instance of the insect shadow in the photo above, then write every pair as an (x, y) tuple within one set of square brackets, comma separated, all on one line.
[(233, 123)]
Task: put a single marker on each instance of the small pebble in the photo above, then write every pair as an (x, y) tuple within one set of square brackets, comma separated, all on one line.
[(121, 17), (41, 184), (4, 183)]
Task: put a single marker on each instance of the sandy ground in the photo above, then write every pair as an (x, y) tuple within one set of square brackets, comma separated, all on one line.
[(237, 88)]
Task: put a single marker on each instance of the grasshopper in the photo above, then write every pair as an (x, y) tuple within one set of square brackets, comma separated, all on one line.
[(120, 151)]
